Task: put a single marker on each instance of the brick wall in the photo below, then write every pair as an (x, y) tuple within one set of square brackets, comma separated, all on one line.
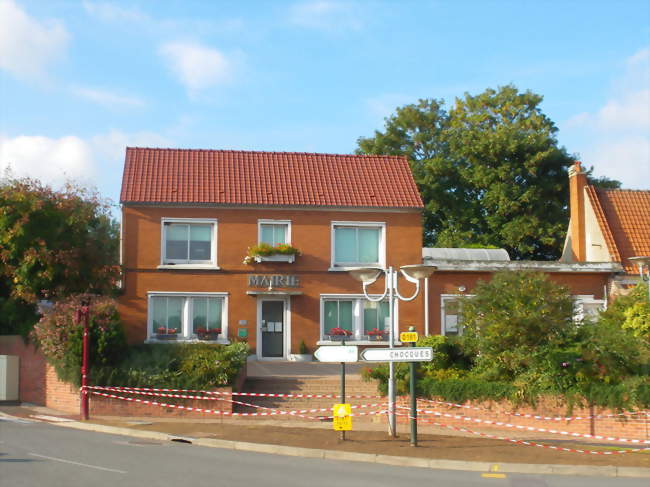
[(31, 368), (597, 421)]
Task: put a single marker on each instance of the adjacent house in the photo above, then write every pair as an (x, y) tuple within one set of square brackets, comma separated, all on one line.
[(607, 225), (189, 218)]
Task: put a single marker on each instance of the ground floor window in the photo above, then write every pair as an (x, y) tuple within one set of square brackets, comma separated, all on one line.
[(178, 316), (451, 310), (354, 318), (587, 307)]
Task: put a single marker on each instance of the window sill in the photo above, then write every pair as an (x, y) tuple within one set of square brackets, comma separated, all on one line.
[(349, 268), (357, 342), (207, 267), (221, 341)]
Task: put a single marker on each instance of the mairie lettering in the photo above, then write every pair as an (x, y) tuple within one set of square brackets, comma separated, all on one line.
[(276, 280)]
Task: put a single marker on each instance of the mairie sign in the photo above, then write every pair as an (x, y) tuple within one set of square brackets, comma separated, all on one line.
[(343, 353), (411, 354)]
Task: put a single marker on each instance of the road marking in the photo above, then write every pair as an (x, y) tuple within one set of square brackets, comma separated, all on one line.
[(77, 463), (15, 420), (493, 475)]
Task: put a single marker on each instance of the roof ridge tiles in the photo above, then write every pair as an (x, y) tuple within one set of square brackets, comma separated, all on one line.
[(246, 151)]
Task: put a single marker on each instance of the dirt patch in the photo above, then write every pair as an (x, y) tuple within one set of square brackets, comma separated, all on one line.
[(378, 442)]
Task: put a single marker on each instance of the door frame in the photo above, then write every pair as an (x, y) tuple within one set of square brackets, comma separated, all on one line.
[(286, 319)]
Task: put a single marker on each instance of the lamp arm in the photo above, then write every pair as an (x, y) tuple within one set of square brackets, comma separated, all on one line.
[(375, 300), (402, 298)]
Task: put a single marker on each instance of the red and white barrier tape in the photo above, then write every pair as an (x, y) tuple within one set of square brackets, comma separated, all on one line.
[(529, 428), (274, 412), (533, 443), (223, 393), (532, 416), (209, 398)]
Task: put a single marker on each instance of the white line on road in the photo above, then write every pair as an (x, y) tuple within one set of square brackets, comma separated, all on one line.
[(77, 463)]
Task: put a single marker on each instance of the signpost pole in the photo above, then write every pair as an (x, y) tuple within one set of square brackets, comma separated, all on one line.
[(414, 409), (343, 389)]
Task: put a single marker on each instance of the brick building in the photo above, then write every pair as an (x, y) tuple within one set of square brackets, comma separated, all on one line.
[(189, 216)]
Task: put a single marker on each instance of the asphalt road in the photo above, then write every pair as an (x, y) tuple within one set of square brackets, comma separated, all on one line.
[(45, 455)]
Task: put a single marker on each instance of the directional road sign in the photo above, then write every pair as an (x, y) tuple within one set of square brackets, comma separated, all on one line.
[(343, 353), (411, 354)]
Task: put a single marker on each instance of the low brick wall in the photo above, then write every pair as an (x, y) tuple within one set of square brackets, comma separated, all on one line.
[(105, 406), (595, 421), (32, 382)]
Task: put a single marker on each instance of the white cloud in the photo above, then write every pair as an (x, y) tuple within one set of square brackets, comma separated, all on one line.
[(197, 66), (53, 161), (110, 147), (626, 159), (615, 138), (27, 46), (326, 15), (110, 12), (107, 98), (632, 110)]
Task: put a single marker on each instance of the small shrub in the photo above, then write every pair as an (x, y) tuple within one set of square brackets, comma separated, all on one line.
[(60, 337), (185, 366)]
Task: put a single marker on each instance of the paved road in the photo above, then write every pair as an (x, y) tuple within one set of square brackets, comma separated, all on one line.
[(41, 454)]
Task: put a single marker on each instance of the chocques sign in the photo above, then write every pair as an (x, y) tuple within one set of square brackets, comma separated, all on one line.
[(276, 280)]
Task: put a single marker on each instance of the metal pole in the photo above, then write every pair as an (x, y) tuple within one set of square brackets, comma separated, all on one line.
[(84, 314), (414, 409), (392, 427), (343, 391)]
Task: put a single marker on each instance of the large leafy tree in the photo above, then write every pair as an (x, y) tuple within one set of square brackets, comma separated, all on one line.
[(490, 170), (52, 244)]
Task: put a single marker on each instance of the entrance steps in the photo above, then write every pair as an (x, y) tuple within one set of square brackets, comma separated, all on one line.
[(308, 385)]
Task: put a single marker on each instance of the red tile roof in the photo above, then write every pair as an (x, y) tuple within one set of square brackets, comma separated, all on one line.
[(626, 221), (181, 176)]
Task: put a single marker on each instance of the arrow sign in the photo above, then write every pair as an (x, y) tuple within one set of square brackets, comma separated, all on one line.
[(343, 353), (411, 354)]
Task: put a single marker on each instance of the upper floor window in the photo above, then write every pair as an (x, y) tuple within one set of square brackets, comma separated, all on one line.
[(358, 244), (189, 241), (274, 232)]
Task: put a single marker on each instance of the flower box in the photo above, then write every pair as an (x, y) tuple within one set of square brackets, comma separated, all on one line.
[(203, 334), (290, 258)]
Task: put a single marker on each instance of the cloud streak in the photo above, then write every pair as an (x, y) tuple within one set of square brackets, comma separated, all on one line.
[(326, 15), (107, 98)]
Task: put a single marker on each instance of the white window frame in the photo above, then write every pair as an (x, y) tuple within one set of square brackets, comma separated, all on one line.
[(273, 222), (381, 250), (443, 299), (186, 334), (357, 319), (579, 300), (171, 264)]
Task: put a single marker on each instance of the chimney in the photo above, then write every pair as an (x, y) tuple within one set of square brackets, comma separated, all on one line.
[(577, 183)]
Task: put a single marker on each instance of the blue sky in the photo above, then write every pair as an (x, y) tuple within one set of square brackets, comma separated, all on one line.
[(81, 80)]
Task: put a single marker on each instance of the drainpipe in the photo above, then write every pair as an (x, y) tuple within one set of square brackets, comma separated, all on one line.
[(426, 306)]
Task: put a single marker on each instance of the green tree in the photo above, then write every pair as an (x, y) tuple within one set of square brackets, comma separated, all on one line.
[(514, 320), (52, 244), (490, 170)]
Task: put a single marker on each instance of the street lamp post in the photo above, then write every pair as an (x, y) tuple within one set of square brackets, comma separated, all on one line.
[(641, 262), (367, 276), (83, 314)]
